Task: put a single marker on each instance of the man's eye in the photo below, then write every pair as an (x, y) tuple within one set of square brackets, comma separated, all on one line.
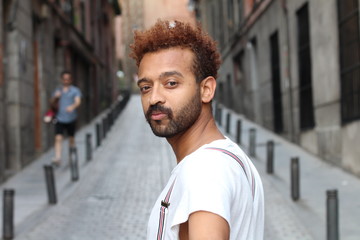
[(171, 83), (144, 88)]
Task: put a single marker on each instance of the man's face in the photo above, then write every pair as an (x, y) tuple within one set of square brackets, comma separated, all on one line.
[(170, 95), (66, 79)]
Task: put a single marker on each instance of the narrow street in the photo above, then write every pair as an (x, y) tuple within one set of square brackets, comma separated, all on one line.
[(114, 196), (116, 190)]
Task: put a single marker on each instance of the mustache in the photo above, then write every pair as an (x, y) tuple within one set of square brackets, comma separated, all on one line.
[(158, 108)]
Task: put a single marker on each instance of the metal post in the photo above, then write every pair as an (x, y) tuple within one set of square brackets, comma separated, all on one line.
[(332, 217), (88, 147), (8, 213), (220, 116), (252, 142), (104, 127), (98, 135), (228, 118), (295, 178), (108, 123), (74, 164), (217, 113), (50, 184), (270, 157), (112, 116), (117, 109), (111, 122), (238, 132)]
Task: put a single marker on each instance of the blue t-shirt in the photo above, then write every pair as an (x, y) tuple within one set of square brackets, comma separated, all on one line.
[(66, 99)]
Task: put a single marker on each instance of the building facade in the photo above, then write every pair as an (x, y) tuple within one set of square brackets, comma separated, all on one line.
[(38, 40), (293, 67)]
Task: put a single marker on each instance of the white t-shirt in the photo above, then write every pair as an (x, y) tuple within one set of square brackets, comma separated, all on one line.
[(218, 178)]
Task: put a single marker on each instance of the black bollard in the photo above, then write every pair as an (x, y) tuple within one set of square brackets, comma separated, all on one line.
[(108, 121), (238, 132), (270, 157), (104, 127), (98, 135), (228, 118), (74, 164), (88, 147), (217, 113), (220, 116), (295, 178), (50, 184), (252, 142), (111, 118), (8, 213), (117, 109), (332, 217)]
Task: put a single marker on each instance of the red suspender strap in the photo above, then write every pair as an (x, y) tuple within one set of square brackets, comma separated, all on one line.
[(164, 205), (237, 159)]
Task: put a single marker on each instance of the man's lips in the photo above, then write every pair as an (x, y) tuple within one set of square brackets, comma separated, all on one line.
[(158, 115)]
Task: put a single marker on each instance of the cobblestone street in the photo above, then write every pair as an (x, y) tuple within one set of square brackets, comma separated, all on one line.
[(116, 190), (116, 193)]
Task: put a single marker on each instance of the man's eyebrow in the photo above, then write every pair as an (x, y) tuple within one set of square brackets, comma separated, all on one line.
[(142, 80), (162, 75), (172, 73)]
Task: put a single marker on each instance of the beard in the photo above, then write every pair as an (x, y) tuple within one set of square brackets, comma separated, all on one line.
[(183, 120)]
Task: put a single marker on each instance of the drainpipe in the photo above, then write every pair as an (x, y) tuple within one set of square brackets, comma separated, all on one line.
[(288, 71)]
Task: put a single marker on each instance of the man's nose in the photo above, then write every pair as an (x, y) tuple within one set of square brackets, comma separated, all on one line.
[(156, 96)]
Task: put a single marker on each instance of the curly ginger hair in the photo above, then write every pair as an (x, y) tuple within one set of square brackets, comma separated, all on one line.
[(169, 34)]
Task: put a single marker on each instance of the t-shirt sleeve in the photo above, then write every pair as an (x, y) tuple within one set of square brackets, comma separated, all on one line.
[(205, 186), (78, 93)]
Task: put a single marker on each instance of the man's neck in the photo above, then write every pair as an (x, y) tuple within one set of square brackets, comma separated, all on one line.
[(66, 87), (202, 132)]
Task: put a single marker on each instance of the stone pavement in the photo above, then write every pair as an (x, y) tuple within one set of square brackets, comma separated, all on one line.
[(116, 190), (306, 218)]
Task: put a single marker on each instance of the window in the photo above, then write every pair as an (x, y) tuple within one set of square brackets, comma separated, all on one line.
[(348, 13), (213, 21), (83, 23), (304, 67), (238, 68), (68, 8), (240, 12), (220, 21), (230, 15), (229, 87), (276, 82)]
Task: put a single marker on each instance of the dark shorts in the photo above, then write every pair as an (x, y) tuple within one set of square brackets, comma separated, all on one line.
[(70, 128)]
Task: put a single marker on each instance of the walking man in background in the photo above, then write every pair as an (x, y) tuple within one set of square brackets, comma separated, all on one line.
[(69, 99), (214, 192)]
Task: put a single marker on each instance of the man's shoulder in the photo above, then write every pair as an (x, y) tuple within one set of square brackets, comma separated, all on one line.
[(75, 89), (206, 158)]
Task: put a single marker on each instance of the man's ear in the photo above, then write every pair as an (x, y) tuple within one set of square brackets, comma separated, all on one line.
[(207, 88)]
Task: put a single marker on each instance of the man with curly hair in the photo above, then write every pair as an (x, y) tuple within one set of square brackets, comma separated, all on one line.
[(214, 192)]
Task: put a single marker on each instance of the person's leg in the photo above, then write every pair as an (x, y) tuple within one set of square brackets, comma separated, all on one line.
[(58, 146), (71, 132), (71, 141), (70, 129), (59, 132)]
